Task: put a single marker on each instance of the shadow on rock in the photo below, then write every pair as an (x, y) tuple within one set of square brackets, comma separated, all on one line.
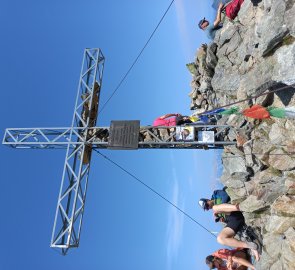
[(255, 2), (285, 95)]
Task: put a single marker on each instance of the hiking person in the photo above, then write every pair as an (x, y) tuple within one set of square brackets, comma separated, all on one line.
[(172, 119), (231, 215), (225, 259), (231, 11)]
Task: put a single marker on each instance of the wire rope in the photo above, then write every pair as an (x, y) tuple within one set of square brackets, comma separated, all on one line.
[(136, 59), (155, 192)]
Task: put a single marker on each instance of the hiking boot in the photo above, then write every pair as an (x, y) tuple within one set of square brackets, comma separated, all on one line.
[(259, 245), (255, 245)]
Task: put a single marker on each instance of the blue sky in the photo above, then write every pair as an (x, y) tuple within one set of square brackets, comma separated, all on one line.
[(125, 225)]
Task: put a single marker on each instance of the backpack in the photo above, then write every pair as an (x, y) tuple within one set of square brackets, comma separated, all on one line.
[(220, 196)]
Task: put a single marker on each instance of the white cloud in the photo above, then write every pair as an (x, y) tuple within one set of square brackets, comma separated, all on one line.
[(185, 36), (175, 224), (191, 182)]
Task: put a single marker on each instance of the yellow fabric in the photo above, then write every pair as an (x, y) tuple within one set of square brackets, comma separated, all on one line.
[(193, 118)]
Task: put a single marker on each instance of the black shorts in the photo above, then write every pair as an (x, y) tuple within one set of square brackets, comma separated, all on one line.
[(235, 221)]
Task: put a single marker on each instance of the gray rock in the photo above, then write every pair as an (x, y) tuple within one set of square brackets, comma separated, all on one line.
[(267, 176), (233, 43), (235, 165), (235, 181), (288, 249), (247, 13), (278, 265), (285, 161), (289, 17), (290, 184), (236, 120), (226, 33), (271, 30), (285, 58), (265, 262), (237, 194), (278, 225), (195, 84), (211, 59), (272, 244), (252, 204), (284, 206), (205, 86), (259, 78), (226, 78)]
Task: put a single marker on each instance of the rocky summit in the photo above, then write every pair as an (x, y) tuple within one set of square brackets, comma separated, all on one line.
[(253, 55)]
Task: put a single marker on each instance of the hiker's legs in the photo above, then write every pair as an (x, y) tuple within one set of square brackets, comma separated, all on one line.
[(241, 258), (233, 9), (226, 238), (225, 208)]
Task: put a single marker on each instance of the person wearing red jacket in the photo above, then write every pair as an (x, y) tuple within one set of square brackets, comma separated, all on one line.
[(225, 259)]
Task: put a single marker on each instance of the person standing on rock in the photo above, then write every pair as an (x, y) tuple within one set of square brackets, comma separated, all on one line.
[(234, 221), (231, 11)]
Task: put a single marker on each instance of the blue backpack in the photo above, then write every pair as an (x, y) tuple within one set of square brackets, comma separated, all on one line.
[(220, 196)]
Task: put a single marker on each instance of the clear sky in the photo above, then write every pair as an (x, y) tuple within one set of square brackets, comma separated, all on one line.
[(125, 225)]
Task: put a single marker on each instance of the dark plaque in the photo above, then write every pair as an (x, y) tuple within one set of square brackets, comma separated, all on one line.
[(124, 135)]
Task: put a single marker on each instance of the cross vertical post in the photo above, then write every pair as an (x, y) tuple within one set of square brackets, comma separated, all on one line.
[(71, 201)]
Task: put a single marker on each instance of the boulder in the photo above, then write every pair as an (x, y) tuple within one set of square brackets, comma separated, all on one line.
[(288, 249), (252, 204), (285, 58), (278, 265), (233, 181), (272, 244), (290, 182), (234, 165), (211, 59), (279, 224), (236, 194), (271, 30), (281, 160), (284, 206)]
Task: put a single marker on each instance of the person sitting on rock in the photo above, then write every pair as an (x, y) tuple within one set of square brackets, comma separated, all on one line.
[(231, 11), (172, 119), (234, 220), (225, 259)]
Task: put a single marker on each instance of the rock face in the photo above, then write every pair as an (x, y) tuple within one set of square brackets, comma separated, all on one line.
[(251, 55)]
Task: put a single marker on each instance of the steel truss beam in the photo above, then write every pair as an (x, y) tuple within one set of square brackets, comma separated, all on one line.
[(48, 138), (71, 201)]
